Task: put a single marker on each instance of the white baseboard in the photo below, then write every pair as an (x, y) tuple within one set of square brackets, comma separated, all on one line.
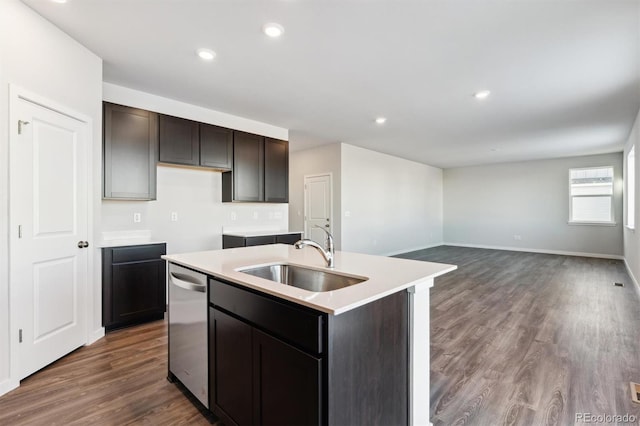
[(633, 278), (95, 335), (533, 250), (8, 385), (409, 250)]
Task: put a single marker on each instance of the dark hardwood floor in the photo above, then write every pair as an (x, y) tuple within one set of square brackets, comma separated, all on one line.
[(531, 339), (119, 380)]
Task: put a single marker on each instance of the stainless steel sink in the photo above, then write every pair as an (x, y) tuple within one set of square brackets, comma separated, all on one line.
[(305, 278)]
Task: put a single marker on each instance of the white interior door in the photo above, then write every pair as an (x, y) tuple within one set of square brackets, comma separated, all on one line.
[(49, 223), (317, 206)]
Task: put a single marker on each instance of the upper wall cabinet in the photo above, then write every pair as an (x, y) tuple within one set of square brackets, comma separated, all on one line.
[(246, 181), (216, 146), (191, 143), (276, 171), (260, 170), (130, 143), (179, 141)]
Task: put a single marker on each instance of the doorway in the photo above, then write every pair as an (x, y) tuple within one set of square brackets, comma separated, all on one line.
[(49, 191), (318, 206)]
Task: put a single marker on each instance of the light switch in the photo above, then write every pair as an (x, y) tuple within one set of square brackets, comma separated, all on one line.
[(174, 216)]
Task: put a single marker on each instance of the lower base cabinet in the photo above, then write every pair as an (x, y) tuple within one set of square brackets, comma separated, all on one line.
[(133, 285), (261, 380), (274, 362)]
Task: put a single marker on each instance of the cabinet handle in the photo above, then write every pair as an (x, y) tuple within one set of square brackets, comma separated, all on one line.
[(183, 282), (83, 244)]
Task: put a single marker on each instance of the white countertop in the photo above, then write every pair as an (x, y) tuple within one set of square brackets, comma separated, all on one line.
[(386, 275), (247, 234), (127, 238)]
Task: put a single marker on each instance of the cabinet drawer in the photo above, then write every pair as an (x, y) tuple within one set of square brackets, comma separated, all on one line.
[(138, 253), (296, 325), (259, 241), (288, 238)]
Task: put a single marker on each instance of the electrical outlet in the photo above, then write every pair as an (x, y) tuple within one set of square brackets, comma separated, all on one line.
[(347, 214), (517, 237), (137, 218), (277, 215), (174, 216), (233, 216), (255, 215)]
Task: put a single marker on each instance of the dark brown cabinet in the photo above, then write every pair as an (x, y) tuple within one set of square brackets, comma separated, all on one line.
[(130, 151), (276, 171), (216, 147), (191, 143), (274, 362), (133, 285), (179, 141), (233, 241), (260, 170), (256, 377), (246, 181), (287, 383)]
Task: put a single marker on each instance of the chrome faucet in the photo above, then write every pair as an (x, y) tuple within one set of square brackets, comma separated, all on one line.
[(328, 253)]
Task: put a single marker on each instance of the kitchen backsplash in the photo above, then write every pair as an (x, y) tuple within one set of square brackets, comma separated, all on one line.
[(189, 214)]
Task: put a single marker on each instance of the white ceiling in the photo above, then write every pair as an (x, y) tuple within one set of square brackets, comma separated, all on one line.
[(564, 75)]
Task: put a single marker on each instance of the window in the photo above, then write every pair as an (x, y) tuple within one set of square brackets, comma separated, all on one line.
[(631, 188), (591, 194)]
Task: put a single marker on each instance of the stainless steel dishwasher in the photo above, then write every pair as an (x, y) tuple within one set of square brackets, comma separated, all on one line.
[(188, 330)]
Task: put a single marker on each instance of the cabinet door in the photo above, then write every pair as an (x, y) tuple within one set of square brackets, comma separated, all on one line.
[(130, 153), (276, 171), (216, 147), (288, 238), (230, 366), (259, 241), (179, 141), (287, 383), (248, 167), (138, 290)]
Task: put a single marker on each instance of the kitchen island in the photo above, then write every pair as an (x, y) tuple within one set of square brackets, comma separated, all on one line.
[(357, 355)]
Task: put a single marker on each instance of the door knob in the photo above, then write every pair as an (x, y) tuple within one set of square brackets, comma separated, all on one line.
[(83, 244), (327, 226)]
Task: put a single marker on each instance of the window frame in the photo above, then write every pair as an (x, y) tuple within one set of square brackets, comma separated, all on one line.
[(612, 222), (630, 207)]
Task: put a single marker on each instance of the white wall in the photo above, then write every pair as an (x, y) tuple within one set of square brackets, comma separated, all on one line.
[(323, 159), (193, 193), (40, 58), (632, 236), (389, 205), (488, 205)]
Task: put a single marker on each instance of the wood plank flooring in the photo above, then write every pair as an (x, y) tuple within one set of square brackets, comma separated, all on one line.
[(119, 380), (531, 339)]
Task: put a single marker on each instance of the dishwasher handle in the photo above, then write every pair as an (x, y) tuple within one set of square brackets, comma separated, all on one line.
[(183, 281)]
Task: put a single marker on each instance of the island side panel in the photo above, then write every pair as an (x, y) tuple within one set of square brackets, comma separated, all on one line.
[(368, 377), (419, 356)]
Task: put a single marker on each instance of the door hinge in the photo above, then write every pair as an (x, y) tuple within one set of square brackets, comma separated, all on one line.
[(20, 124), (19, 231), (20, 336)]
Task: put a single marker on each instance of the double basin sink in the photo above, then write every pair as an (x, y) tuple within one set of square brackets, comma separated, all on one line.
[(302, 277)]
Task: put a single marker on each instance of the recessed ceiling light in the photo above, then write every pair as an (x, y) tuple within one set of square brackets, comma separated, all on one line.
[(206, 54), (273, 30), (483, 94), (381, 120)]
